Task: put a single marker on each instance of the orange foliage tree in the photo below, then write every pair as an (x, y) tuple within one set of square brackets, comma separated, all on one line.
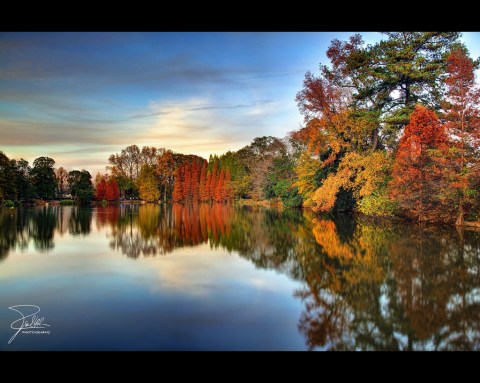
[(220, 188), (187, 182), (463, 126), (191, 182), (177, 194), (165, 171), (417, 176), (213, 182), (195, 182), (203, 187)]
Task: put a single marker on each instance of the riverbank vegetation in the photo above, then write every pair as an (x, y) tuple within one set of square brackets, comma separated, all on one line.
[(391, 129)]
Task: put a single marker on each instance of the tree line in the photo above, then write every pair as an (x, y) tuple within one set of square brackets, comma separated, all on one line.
[(21, 182), (390, 129)]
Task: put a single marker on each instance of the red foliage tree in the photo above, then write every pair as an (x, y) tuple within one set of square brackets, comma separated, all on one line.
[(187, 183), (177, 194), (463, 126), (213, 182), (203, 187), (195, 182), (220, 187), (112, 192), (101, 189), (416, 174), (208, 188)]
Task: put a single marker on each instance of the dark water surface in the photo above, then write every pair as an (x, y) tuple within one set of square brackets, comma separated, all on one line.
[(233, 278)]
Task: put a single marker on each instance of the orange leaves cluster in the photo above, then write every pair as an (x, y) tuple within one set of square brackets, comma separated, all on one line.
[(193, 183), (417, 172)]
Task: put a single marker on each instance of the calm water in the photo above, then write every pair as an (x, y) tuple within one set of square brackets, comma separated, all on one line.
[(231, 278)]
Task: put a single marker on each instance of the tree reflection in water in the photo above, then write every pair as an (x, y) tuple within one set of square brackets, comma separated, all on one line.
[(365, 286)]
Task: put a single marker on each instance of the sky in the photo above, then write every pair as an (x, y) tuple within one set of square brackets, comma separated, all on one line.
[(79, 97)]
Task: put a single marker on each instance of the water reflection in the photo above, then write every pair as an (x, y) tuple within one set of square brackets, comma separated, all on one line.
[(19, 227), (364, 286), (392, 288)]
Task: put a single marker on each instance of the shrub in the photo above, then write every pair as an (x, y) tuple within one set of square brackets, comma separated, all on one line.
[(377, 204)]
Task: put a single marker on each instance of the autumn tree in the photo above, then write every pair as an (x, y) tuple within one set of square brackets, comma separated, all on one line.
[(126, 166), (417, 177), (112, 192), (195, 182), (61, 177), (238, 163), (463, 126), (329, 123), (212, 185), (149, 155), (220, 187), (359, 175), (305, 171), (187, 183), (203, 187), (177, 194), (101, 187), (147, 184), (165, 171)]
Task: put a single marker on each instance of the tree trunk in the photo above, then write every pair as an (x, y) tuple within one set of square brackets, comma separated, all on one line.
[(375, 140), (165, 194), (460, 219), (407, 93)]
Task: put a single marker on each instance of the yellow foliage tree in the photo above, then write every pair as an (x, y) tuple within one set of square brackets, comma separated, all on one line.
[(362, 174), (305, 171), (148, 184)]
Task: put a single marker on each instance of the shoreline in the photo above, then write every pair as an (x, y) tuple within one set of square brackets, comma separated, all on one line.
[(469, 225)]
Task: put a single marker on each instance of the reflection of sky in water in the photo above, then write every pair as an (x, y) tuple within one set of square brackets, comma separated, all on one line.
[(194, 298)]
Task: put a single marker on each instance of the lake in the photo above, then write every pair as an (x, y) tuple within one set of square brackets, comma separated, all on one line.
[(222, 277)]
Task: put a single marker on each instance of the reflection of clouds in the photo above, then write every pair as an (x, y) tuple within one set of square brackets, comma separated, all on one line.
[(199, 271), (192, 270)]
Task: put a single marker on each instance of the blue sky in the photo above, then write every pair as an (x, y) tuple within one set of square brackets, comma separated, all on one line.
[(79, 97)]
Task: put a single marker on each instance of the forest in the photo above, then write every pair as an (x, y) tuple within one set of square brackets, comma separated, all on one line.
[(390, 129)]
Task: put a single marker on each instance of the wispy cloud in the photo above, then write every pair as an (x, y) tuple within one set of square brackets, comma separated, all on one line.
[(183, 108)]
